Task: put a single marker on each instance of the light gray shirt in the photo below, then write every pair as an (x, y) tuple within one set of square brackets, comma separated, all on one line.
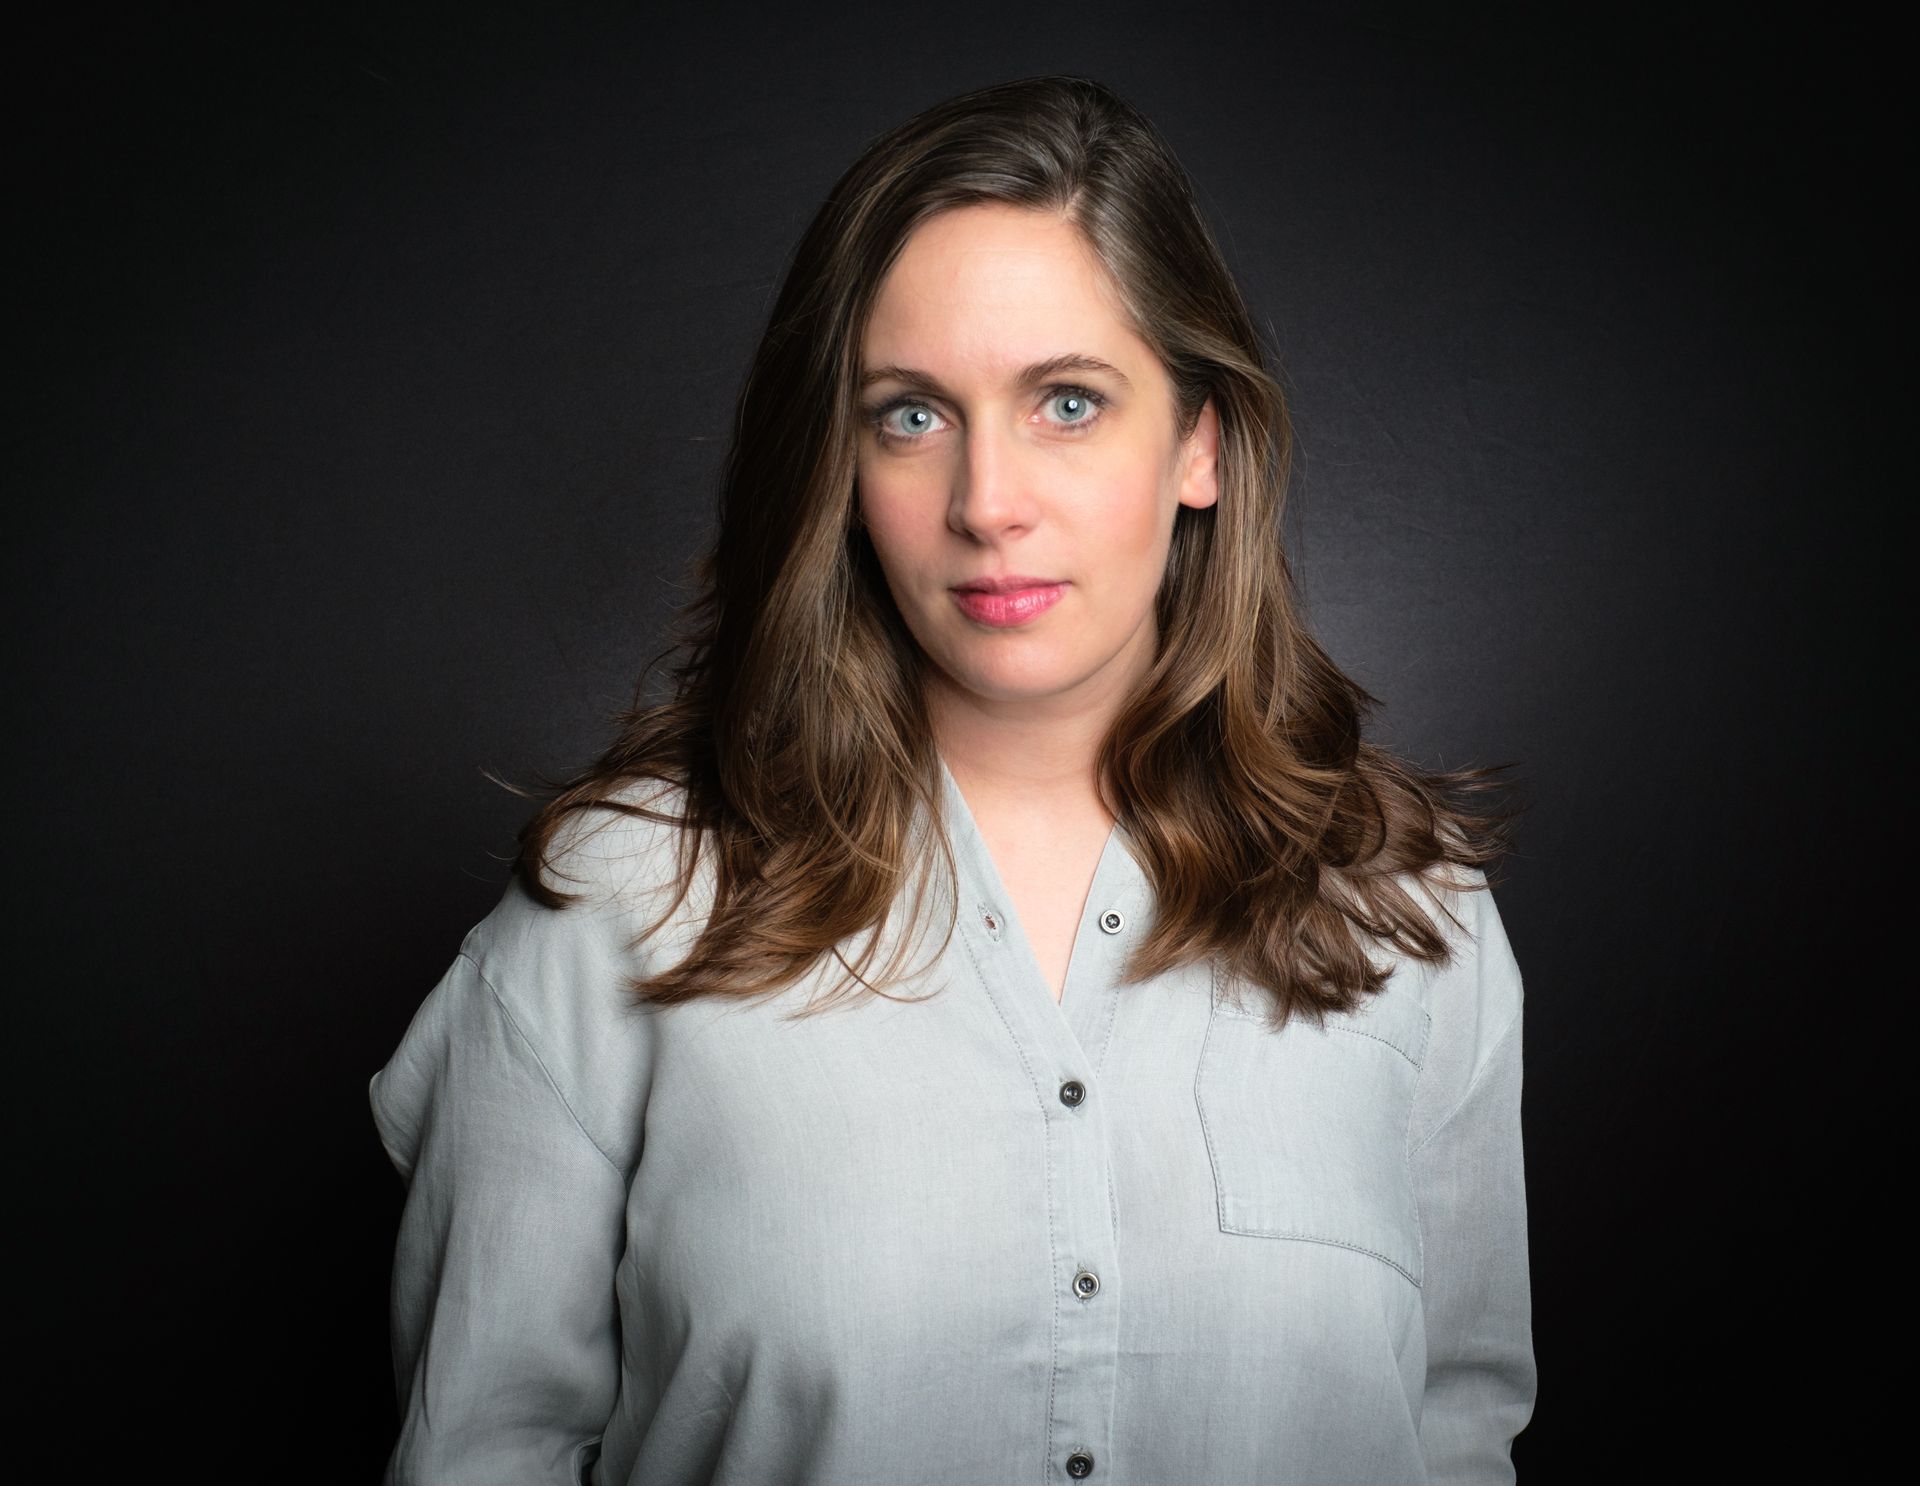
[(980, 1236)]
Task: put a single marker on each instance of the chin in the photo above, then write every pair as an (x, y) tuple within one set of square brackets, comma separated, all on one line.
[(1035, 678)]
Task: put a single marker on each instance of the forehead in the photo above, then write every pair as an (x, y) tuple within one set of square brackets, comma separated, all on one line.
[(996, 286)]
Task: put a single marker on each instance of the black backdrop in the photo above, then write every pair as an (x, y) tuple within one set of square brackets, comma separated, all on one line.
[(373, 370)]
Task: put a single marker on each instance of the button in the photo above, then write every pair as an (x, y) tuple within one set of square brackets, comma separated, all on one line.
[(991, 921), (1079, 1464), (1112, 921), (1072, 1092), (1086, 1284)]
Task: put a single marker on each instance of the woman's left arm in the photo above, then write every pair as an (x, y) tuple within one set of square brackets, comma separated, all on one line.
[(1470, 1181)]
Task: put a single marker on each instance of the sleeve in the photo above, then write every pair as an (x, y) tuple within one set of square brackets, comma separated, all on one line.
[(505, 1326), (1470, 1183)]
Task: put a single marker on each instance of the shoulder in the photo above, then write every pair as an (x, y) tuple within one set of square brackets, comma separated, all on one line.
[(1460, 904), (625, 846), (562, 975), (1480, 967), (1474, 1000), (615, 861)]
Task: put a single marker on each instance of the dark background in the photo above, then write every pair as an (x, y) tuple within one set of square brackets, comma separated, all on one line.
[(372, 374)]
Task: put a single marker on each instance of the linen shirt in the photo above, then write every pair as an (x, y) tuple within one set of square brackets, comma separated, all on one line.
[(981, 1236)]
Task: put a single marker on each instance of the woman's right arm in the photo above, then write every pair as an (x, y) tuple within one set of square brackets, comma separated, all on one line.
[(506, 1344)]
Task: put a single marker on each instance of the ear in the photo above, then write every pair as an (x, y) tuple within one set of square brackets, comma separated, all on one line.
[(1200, 460)]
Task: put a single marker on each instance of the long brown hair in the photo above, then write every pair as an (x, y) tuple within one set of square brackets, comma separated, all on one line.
[(795, 742)]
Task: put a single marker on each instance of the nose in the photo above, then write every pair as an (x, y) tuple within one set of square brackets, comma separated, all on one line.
[(992, 485)]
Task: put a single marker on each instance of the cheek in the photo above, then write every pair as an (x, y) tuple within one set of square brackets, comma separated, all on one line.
[(1126, 524), (895, 524), (1124, 546)]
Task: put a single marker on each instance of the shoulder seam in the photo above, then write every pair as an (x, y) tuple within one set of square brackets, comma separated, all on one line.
[(541, 1063), (1513, 1023)]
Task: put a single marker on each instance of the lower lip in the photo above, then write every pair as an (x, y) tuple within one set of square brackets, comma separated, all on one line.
[(1008, 610)]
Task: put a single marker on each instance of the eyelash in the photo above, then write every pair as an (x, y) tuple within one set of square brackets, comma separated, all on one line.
[(878, 416)]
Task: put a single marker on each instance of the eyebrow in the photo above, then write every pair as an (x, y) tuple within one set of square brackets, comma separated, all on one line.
[(1030, 376)]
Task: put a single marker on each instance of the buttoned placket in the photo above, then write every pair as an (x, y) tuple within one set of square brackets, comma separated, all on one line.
[(1063, 1043)]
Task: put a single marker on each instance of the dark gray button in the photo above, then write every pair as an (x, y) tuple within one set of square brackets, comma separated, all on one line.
[(1072, 1092), (1112, 921), (1079, 1464), (1086, 1284)]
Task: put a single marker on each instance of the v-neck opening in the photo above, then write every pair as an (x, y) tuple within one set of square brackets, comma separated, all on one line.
[(966, 825)]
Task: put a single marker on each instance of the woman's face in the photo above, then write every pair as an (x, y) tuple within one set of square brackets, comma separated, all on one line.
[(983, 457)]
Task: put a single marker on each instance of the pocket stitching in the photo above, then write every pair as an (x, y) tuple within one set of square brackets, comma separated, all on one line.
[(1222, 1007), (1362, 1032), (1333, 1243), (1220, 1187)]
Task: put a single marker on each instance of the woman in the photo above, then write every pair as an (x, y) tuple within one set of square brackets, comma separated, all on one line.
[(998, 1021)]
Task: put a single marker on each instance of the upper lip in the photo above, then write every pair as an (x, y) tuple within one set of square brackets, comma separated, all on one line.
[(1004, 585)]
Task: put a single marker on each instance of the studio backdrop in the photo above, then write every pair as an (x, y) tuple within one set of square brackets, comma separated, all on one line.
[(373, 373)]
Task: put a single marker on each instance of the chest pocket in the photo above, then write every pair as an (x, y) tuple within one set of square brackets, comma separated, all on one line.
[(1307, 1127)]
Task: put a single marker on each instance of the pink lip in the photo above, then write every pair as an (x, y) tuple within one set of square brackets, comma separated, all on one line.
[(1011, 606), (1007, 583)]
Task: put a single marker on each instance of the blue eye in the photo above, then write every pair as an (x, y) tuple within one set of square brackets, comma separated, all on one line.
[(919, 418), (1078, 403), (1080, 408)]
